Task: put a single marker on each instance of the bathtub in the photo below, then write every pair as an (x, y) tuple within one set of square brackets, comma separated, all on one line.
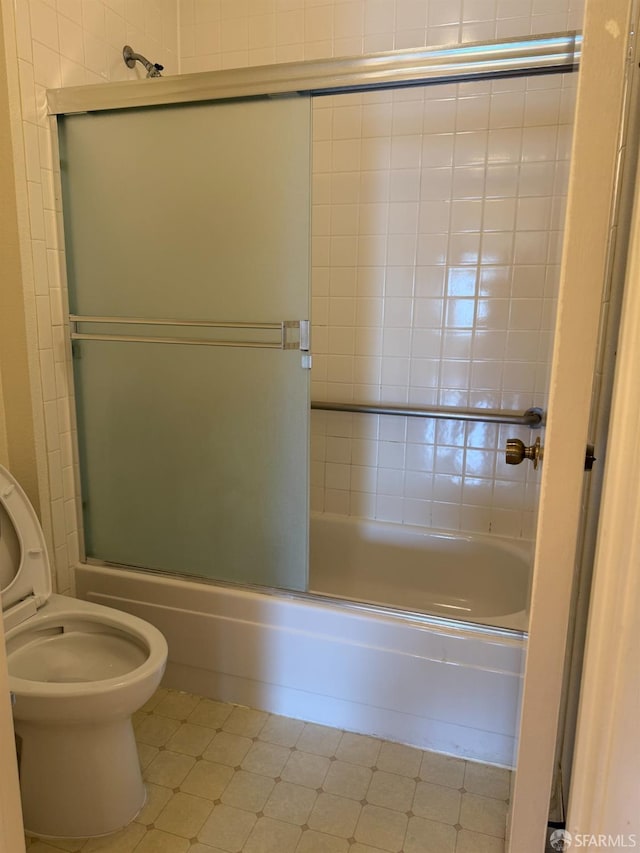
[(422, 680), (466, 577)]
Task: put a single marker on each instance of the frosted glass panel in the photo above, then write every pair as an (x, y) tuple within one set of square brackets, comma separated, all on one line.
[(189, 463), (194, 458), (189, 212)]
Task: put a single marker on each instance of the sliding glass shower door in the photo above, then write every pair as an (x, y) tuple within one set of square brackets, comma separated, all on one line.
[(187, 237)]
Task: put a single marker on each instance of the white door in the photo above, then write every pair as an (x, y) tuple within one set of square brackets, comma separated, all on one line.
[(604, 68)]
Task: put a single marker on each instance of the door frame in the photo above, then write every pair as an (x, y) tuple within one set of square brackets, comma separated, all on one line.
[(589, 238), (603, 799)]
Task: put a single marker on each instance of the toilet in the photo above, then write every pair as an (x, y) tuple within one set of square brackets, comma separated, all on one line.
[(77, 673)]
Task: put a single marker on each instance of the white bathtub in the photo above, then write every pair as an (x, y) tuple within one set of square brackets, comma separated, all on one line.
[(467, 577), (418, 680)]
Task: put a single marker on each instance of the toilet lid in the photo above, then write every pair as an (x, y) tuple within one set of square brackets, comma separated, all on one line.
[(24, 563)]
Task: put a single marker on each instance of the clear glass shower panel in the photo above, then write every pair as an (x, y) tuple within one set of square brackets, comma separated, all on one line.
[(187, 234)]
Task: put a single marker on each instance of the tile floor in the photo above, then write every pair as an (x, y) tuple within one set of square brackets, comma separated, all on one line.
[(227, 779)]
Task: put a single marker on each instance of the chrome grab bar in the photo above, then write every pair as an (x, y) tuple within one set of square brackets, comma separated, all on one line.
[(284, 328), (533, 417)]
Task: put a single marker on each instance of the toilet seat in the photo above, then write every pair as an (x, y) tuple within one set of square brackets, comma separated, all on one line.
[(26, 586), (62, 656), (90, 628)]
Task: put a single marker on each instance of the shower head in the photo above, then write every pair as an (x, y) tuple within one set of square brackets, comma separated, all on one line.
[(130, 58)]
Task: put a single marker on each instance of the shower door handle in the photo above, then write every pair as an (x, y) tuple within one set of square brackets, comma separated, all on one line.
[(517, 452)]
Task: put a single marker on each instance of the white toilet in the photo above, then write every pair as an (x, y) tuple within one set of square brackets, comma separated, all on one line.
[(77, 672)]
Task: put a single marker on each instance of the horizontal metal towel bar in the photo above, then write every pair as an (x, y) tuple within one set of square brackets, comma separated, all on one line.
[(516, 57), (283, 328), (76, 336), (533, 417)]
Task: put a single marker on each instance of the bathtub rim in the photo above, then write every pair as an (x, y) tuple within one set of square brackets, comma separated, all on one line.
[(517, 546), (426, 620)]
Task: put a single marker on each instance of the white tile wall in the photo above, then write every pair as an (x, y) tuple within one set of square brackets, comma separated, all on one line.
[(437, 216), (231, 33), (437, 227), (66, 43)]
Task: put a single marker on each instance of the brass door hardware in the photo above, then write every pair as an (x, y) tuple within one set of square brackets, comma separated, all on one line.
[(517, 452)]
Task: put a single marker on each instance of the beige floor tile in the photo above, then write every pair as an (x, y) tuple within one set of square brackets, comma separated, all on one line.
[(429, 836), (138, 717), (266, 758), (347, 780), (169, 768), (382, 828), (157, 798), (157, 841), (435, 802), (320, 740), (391, 790), (483, 814), (358, 749), (155, 700), (289, 802), (71, 845), (475, 842), (227, 828), (190, 739), (303, 768), (156, 731), (177, 705), (272, 836), (400, 759), (184, 815), (42, 847), (268, 771), (320, 842), (247, 791), (245, 721), (124, 841), (146, 754), (210, 713), (207, 779), (335, 815), (487, 781), (442, 770), (281, 730), (226, 748)]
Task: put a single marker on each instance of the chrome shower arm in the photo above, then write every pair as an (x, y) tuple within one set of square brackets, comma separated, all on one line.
[(130, 58)]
